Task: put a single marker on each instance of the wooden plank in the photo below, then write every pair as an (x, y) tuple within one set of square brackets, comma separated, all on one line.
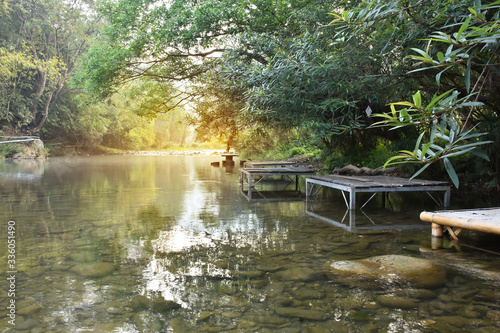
[(269, 163), (376, 181), (285, 170), (334, 177)]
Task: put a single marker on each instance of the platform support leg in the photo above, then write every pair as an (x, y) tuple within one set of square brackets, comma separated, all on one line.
[(250, 185), (437, 243), (352, 199), (384, 195), (437, 230), (437, 236)]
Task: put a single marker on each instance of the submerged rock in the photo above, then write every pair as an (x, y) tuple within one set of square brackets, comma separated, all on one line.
[(155, 302), (393, 301), (301, 313), (298, 274), (96, 269), (387, 269)]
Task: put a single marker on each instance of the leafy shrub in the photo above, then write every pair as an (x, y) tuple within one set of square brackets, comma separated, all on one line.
[(8, 149)]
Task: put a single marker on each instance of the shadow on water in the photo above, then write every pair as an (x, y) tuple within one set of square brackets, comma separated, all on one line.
[(170, 244)]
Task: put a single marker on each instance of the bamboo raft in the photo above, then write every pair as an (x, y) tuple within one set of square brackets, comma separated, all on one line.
[(483, 220)]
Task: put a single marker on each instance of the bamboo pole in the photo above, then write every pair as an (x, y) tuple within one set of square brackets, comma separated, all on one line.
[(463, 221)]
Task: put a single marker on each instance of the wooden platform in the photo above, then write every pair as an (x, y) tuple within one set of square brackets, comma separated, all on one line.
[(374, 184), (248, 175), (264, 164), (229, 156), (484, 220)]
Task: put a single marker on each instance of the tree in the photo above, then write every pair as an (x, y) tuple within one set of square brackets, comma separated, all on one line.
[(216, 113), (42, 41), (188, 40)]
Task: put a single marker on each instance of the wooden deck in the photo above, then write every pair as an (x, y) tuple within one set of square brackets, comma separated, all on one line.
[(248, 175), (484, 220), (229, 156), (261, 164), (374, 184)]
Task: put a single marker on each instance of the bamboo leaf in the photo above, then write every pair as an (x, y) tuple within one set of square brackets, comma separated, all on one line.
[(481, 154), (435, 99), (417, 145), (433, 130), (403, 103), (393, 110), (451, 171), (462, 28), (345, 15), (421, 52), (473, 145), (417, 99), (396, 160), (461, 152), (425, 149), (471, 104), (467, 75), (420, 171), (438, 148), (407, 152)]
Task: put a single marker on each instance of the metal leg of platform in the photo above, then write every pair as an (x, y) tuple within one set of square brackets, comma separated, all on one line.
[(352, 199), (250, 186)]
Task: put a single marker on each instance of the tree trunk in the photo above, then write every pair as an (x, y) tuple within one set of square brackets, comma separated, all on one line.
[(45, 114), (183, 135), (38, 93)]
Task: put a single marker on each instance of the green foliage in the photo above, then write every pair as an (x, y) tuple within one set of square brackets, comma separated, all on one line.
[(475, 43), (448, 122), (276, 66), (8, 149), (374, 158), (280, 74), (41, 44), (285, 146)]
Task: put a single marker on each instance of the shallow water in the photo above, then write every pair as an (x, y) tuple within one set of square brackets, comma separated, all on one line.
[(169, 244)]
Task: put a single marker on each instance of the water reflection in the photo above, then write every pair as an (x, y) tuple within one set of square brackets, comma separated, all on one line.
[(376, 220), (168, 244), (24, 171)]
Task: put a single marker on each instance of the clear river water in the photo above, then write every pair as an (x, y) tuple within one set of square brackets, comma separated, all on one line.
[(170, 244)]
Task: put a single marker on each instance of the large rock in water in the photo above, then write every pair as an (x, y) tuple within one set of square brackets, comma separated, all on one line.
[(386, 270)]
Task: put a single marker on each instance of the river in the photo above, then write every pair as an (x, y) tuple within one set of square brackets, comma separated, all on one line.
[(170, 244)]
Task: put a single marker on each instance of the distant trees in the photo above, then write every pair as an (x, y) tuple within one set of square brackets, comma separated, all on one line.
[(41, 42), (246, 65), (215, 45)]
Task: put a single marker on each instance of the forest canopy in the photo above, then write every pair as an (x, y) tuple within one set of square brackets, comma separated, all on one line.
[(409, 82)]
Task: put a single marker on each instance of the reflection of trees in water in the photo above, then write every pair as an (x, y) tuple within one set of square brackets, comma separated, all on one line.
[(22, 170)]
